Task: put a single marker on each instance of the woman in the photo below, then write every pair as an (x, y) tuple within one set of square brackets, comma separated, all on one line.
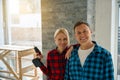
[(56, 61)]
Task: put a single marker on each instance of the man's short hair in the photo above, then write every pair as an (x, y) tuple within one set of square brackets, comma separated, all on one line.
[(79, 23)]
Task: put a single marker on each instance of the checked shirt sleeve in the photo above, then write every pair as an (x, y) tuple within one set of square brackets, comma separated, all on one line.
[(66, 77), (108, 68), (44, 69)]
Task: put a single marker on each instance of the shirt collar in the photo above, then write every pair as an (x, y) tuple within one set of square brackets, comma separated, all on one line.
[(96, 48), (64, 51)]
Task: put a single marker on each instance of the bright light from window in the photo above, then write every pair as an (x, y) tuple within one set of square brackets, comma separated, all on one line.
[(24, 13), (14, 6), (30, 20)]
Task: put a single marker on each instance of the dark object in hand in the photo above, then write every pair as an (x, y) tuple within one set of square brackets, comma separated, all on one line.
[(37, 62), (37, 50)]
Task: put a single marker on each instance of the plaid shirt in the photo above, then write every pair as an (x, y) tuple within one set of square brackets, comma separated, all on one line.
[(98, 65), (56, 63)]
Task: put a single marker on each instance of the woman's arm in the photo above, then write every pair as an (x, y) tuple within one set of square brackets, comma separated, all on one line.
[(68, 53)]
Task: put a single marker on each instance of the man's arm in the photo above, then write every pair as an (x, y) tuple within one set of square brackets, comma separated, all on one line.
[(108, 68)]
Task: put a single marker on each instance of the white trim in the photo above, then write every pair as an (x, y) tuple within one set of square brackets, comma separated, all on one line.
[(114, 35), (1, 24)]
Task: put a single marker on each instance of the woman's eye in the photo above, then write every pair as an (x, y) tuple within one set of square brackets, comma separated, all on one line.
[(65, 39), (59, 39)]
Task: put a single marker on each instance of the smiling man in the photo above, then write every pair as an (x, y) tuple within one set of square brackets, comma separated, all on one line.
[(88, 60)]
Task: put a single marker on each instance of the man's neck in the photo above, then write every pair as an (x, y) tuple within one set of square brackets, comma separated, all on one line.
[(87, 46)]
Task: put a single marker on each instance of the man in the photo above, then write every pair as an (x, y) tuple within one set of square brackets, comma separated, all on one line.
[(88, 60)]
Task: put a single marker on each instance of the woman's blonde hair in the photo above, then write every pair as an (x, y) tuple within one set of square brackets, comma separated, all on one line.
[(64, 31)]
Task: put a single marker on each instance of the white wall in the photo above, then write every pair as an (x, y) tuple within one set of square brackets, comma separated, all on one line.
[(105, 27), (103, 23)]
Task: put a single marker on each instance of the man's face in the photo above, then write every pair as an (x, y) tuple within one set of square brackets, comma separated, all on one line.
[(83, 34)]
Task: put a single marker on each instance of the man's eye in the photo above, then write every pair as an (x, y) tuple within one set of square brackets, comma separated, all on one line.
[(79, 33), (84, 31)]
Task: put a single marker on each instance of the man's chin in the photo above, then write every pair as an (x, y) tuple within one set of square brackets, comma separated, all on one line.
[(83, 42)]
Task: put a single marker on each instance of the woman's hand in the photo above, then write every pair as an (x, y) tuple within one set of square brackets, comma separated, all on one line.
[(68, 53), (38, 52), (40, 56)]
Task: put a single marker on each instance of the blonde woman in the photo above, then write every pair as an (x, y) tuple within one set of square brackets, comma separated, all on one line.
[(56, 61)]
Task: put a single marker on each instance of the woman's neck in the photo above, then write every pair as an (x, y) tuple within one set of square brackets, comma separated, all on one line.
[(60, 50)]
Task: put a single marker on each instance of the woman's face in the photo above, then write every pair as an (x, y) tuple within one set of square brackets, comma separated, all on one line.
[(61, 41)]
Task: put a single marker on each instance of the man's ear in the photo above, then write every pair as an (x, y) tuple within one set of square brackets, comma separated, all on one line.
[(91, 31)]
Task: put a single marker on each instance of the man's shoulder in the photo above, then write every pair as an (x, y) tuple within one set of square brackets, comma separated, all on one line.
[(101, 50), (75, 45)]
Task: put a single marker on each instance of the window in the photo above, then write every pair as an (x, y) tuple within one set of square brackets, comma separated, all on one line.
[(22, 24)]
